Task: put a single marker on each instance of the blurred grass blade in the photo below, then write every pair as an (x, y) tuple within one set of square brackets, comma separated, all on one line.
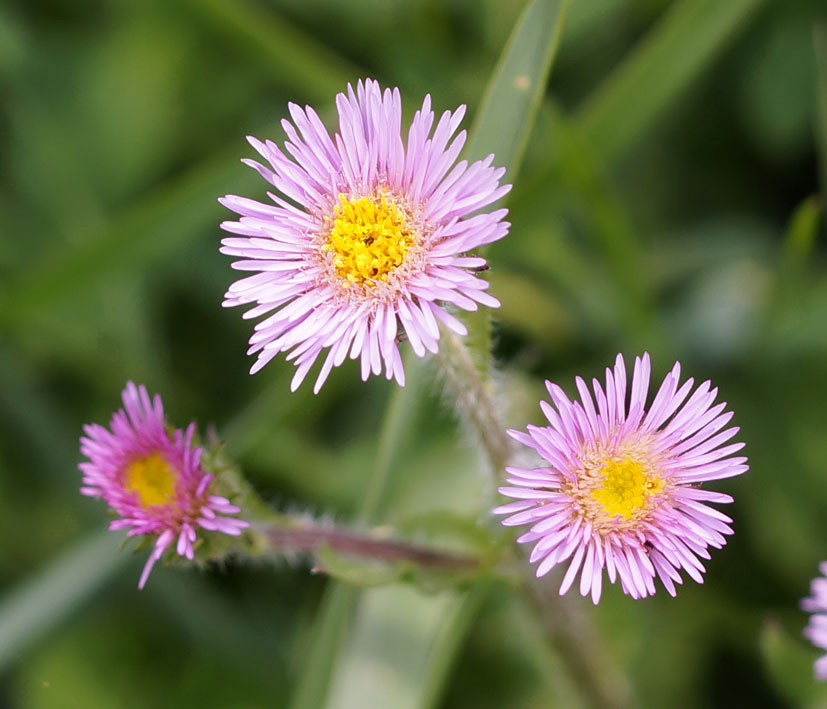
[(257, 29), (792, 279), (820, 40), (788, 663), (29, 414), (384, 664), (333, 620), (801, 236), (516, 88), (505, 118), (327, 640), (609, 222), (664, 64), (446, 643), (32, 608), (179, 210), (163, 224)]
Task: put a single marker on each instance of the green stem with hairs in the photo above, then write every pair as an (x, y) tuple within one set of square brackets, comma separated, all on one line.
[(567, 627)]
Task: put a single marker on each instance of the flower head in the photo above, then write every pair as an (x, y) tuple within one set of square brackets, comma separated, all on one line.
[(152, 478), (816, 630), (620, 487), (367, 235)]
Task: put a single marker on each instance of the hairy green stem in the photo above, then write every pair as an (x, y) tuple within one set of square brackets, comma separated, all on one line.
[(309, 537), (474, 399), (568, 629)]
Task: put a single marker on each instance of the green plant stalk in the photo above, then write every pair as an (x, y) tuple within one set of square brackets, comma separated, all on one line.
[(337, 607), (567, 627), (285, 534), (474, 400)]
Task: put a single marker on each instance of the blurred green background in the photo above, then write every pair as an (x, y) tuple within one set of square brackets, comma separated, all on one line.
[(668, 201)]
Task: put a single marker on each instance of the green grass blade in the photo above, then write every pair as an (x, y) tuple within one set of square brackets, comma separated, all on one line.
[(794, 278), (32, 608), (608, 220), (178, 212), (505, 118), (314, 70), (658, 70), (446, 643), (800, 238), (333, 622), (328, 636), (820, 39), (517, 86), (388, 653), (165, 222)]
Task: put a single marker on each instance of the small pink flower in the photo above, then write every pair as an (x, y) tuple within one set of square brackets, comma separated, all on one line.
[(816, 630), (366, 237), (619, 490), (152, 478)]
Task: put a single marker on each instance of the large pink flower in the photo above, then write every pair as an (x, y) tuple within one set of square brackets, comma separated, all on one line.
[(152, 478), (620, 487), (367, 234)]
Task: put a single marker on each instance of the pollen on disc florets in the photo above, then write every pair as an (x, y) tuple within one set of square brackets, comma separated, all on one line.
[(370, 240), (617, 491), (152, 479)]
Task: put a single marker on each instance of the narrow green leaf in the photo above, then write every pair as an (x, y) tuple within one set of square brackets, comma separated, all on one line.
[(388, 653), (327, 641), (793, 279), (517, 86), (446, 643), (820, 39), (505, 118), (679, 48), (31, 609), (257, 29), (332, 623), (173, 216), (402, 405), (801, 235)]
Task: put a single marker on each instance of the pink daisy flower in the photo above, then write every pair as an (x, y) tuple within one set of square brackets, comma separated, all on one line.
[(366, 236), (620, 488), (152, 478), (816, 630)]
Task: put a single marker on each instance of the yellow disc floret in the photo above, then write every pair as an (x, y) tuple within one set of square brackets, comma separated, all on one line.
[(369, 238), (152, 479), (625, 488)]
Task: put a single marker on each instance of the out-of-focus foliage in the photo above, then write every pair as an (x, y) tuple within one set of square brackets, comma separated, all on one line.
[(668, 201)]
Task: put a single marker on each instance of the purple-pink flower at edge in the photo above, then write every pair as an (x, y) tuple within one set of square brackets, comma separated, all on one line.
[(619, 489), (152, 478), (366, 236), (816, 629)]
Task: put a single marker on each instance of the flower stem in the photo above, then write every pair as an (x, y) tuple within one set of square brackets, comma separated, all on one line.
[(568, 629), (309, 537), (579, 644), (401, 404), (474, 399)]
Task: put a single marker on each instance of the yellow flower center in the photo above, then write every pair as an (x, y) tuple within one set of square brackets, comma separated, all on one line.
[(152, 479), (369, 238), (624, 488)]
